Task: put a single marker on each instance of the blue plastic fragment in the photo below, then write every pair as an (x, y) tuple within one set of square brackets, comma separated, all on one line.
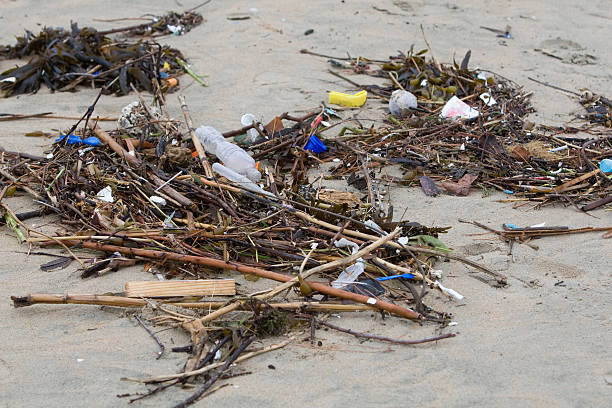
[(404, 275), (163, 74), (508, 191), (315, 145), (606, 165), (74, 139), (511, 226), (92, 141)]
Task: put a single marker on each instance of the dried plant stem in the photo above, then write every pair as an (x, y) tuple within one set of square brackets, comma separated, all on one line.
[(202, 370), (387, 339)]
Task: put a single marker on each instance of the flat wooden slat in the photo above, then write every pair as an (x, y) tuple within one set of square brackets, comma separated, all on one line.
[(210, 287)]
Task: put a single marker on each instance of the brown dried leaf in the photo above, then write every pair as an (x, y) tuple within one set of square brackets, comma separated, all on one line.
[(460, 188), (429, 186), (520, 153), (275, 125)]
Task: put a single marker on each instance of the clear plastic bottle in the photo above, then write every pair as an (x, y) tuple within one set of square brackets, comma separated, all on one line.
[(232, 156)]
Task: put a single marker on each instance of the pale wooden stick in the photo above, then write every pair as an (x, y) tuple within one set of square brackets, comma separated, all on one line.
[(205, 287), (196, 142)]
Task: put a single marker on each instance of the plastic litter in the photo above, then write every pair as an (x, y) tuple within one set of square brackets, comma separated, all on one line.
[(237, 178), (455, 108), (158, 200), (606, 165), (315, 145), (401, 102), (106, 194), (232, 156), (403, 275), (342, 99), (488, 99), (351, 273), (76, 140), (452, 293), (252, 134)]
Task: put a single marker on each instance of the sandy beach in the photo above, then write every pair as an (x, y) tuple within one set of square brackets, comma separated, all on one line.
[(539, 342)]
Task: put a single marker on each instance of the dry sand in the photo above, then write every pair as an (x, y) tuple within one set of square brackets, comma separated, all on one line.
[(537, 343)]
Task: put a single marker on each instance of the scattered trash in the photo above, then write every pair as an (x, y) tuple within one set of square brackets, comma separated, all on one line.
[(402, 102), (455, 108), (106, 194), (231, 155), (315, 145), (606, 166), (342, 99)]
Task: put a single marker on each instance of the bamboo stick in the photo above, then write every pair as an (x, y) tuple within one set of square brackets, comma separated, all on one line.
[(207, 287)]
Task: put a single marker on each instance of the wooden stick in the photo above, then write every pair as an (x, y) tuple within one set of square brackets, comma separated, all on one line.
[(205, 287), (201, 260), (196, 142)]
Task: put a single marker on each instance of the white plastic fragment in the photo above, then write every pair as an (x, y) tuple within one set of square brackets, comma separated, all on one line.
[(371, 301), (374, 227), (455, 108), (352, 272), (403, 240), (452, 323), (106, 194), (450, 292), (158, 200), (401, 102), (540, 225), (488, 99)]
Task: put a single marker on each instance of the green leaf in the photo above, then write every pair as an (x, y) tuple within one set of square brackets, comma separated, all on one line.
[(430, 241)]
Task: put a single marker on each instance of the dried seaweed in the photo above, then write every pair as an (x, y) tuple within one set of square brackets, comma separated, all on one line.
[(61, 59)]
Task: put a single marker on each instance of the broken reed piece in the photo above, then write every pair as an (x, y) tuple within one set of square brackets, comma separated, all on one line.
[(207, 287), (216, 263), (122, 301)]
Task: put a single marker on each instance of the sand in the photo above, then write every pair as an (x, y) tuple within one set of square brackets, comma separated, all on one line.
[(541, 342)]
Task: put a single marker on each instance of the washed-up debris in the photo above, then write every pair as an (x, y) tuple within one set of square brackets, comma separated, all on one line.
[(130, 199), (61, 59), (488, 136)]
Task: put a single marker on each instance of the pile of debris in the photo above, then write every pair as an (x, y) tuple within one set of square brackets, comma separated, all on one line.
[(147, 193)]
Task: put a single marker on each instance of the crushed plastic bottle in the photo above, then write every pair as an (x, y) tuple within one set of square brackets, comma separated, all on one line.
[(232, 156), (401, 102), (239, 179), (252, 134)]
